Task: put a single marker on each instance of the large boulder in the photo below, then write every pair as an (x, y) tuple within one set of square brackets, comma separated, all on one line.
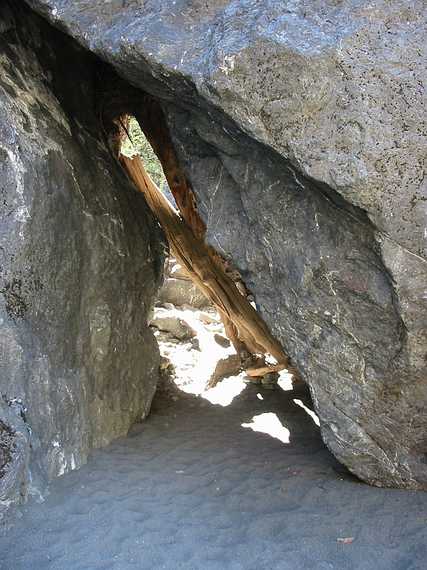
[(178, 288), (300, 125), (169, 320), (181, 292), (80, 264)]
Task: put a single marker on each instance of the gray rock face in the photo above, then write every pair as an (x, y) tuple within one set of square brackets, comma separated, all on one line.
[(301, 127), (80, 262)]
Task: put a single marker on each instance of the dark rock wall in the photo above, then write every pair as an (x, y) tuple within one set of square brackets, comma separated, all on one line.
[(301, 125), (80, 256), (319, 282)]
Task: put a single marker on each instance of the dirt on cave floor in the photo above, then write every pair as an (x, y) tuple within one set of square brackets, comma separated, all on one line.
[(233, 477)]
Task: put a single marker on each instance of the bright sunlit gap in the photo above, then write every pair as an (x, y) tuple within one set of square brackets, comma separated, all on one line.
[(194, 363), (285, 381), (270, 424), (313, 416), (193, 368), (225, 391)]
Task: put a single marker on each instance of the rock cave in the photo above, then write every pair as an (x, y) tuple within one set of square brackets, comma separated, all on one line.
[(292, 140)]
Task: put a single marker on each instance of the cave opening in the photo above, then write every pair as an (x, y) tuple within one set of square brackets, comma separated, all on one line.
[(137, 129), (229, 469), (200, 317), (201, 347), (202, 355)]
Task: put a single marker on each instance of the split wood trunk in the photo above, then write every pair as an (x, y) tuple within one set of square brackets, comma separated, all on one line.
[(193, 254)]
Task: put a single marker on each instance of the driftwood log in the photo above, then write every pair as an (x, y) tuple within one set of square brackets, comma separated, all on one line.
[(206, 272)]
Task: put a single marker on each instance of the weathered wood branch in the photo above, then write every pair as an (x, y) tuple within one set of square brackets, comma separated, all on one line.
[(263, 370), (205, 271), (151, 119)]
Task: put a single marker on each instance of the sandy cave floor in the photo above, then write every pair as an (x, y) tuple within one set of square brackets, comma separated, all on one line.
[(205, 485)]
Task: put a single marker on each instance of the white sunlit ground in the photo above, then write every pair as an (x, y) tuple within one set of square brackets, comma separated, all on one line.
[(235, 477), (193, 369)]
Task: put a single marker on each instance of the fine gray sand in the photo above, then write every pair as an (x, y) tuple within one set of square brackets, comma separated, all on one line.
[(192, 488)]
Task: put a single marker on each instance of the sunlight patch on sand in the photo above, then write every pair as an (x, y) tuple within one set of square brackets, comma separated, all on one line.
[(285, 381), (270, 424), (225, 392), (313, 416)]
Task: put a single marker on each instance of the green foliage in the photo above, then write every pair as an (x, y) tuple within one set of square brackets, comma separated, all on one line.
[(139, 145)]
